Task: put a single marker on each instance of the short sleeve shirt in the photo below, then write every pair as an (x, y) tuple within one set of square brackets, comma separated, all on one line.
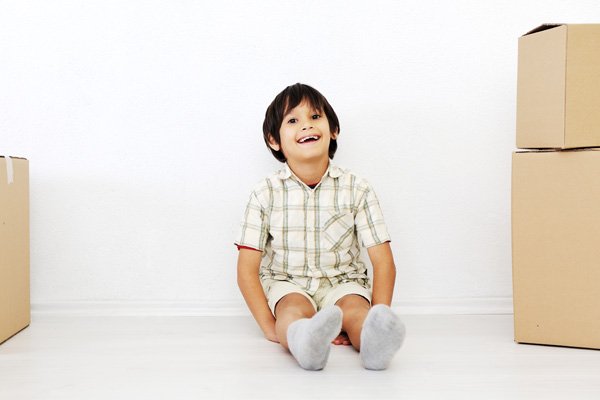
[(308, 234)]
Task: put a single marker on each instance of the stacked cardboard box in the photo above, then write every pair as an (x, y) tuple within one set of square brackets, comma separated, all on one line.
[(556, 187), (14, 246)]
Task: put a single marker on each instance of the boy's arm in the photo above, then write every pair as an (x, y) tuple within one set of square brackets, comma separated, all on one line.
[(384, 273), (247, 276)]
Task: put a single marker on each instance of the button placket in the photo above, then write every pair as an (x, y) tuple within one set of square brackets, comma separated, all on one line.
[(310, 228)]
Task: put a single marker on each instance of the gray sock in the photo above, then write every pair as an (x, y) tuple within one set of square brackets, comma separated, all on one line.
[(309, 340), (381, 337)]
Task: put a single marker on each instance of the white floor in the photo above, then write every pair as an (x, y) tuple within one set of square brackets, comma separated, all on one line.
[(444, 357)]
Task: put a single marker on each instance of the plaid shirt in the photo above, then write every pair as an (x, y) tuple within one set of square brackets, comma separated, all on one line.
[(306, 234)]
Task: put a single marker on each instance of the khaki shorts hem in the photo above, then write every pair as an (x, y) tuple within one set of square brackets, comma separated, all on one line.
[(325, 297)]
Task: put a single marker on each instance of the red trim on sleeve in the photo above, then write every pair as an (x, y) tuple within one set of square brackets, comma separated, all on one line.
[(247, 248)]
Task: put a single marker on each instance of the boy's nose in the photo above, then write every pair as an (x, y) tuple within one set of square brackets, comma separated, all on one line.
[(306, 127)]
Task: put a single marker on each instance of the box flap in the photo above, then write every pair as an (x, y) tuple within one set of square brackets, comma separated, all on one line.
[(21, 158), (557, 150), (543, 27)]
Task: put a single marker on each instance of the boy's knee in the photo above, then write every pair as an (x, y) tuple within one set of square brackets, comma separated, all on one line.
[(353, 302), (294, 303)]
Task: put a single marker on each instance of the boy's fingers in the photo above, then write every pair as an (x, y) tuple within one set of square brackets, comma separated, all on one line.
[(341, 339)]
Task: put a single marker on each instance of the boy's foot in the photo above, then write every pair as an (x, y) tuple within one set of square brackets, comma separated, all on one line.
[(381, 337), (309, 340)]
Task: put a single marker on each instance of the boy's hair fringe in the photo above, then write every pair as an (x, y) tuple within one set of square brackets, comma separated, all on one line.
[(289, 98)]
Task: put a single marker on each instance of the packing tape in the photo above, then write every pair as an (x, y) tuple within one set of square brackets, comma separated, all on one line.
[(9, 170)]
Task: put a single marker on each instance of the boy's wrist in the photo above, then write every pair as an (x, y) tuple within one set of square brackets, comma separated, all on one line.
[(271, 334), (268, 328)]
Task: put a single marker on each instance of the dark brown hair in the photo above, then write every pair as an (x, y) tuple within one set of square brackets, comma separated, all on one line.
[(289, 98)]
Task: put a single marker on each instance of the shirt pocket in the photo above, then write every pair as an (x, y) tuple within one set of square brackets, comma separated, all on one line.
[(337, 231)]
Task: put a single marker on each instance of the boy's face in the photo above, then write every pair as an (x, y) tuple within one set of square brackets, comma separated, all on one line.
[(304, 135)]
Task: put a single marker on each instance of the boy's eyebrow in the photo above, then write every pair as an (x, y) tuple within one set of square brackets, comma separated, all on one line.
[(312, 110)]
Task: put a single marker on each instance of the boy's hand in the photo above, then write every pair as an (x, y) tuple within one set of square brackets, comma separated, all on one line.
[(272, 336), (342, 339)]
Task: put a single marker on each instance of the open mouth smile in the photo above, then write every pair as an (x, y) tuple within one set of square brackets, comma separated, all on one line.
[(309, 139)]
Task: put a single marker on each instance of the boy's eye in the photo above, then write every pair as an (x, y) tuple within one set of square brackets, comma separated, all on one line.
[(316, 116), (292, 121)]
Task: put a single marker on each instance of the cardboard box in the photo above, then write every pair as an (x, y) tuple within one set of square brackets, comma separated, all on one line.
[(558, 87), (14, 246), (556, 247)]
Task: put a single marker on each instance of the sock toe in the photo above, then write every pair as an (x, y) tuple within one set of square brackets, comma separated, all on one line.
[(382, 336), (309, 340)]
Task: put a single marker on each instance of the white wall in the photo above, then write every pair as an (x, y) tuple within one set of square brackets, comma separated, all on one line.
[(142, 123)]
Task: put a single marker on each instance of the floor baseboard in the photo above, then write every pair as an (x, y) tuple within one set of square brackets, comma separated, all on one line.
[(450, 306)]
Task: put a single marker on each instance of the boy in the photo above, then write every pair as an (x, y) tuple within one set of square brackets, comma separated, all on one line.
[(299, 243)]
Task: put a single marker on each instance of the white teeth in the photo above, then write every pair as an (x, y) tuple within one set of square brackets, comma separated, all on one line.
[(308, 137)]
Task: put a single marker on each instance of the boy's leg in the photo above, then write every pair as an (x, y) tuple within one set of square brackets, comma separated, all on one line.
[(305, 334), (289, 309), (355, 309)]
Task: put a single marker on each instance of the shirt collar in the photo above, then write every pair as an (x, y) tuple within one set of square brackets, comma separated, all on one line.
[(332, 170)]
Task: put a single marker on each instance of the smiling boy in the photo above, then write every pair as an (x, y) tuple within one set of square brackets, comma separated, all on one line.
[(299, 266)]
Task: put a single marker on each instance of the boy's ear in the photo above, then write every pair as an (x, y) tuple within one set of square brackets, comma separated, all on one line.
[(273, 144), (334, 134)]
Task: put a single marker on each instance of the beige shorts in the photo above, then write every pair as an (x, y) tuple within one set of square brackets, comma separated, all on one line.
[(326, 295)]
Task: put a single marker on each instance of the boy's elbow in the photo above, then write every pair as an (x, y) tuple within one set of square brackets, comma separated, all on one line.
[(242, 277), (245, 275), (388, 269)]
